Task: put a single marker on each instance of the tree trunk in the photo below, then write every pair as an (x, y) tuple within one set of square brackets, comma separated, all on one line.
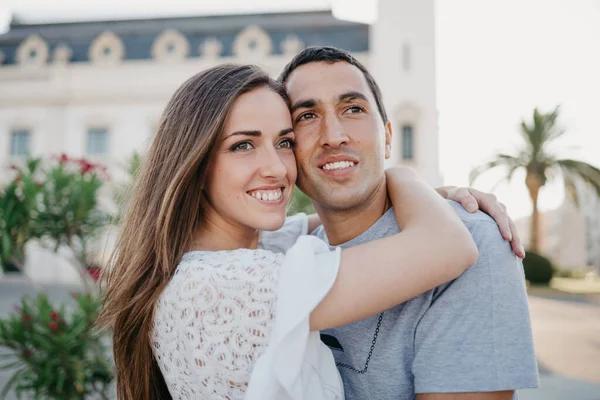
[(534, 183)]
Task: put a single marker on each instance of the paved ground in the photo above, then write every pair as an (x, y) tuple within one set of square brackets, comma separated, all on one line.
[(567, 337), (567, 340)]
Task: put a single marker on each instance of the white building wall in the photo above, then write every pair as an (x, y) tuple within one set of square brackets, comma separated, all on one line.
[(402, 61), (58, 103)]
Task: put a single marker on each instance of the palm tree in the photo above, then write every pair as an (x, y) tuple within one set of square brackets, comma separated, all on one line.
[(541, 164)]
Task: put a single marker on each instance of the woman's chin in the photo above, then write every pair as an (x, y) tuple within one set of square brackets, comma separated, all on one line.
[(271, 223)]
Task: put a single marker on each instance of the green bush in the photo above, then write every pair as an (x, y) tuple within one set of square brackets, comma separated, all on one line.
[(17, 212), (57, 203), (300, 202), (68, 212), (55, 354), (538, 269)]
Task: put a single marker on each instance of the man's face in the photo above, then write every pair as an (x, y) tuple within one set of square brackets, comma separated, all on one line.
[(341, 140)]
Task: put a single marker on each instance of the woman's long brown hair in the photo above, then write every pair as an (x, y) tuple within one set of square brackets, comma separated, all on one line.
[(167, 206)]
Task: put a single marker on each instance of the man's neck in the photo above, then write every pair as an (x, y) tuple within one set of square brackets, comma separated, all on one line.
[(342, 226)]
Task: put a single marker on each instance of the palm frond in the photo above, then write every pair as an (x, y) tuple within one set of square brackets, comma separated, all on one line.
[(511, 162), (509, 175), (540, 132), (552, 130), (581, 170)]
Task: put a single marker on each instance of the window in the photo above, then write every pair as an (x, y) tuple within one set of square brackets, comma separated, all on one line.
[(407, 142), (20, 142), (97, 142), (170, 45), (33, 51), (252, 41), (106, 48)]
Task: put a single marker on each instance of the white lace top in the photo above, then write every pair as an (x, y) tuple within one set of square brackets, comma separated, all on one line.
[(234, 324)]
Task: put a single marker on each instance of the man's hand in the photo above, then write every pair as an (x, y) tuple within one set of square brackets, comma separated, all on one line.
[(473, 200)]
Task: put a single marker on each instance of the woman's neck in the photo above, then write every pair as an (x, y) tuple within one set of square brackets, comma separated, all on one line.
[(216, 234)]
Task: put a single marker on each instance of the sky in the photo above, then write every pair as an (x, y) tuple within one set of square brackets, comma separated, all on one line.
[(496, 61)]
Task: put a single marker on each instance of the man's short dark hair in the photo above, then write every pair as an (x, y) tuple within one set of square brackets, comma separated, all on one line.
[(331, 55)]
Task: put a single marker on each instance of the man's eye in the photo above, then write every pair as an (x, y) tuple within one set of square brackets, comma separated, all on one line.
[(306, 116), (355, 110), (242, 146), (287, 144)]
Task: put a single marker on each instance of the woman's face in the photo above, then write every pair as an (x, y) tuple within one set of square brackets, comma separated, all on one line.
[(253, 171)]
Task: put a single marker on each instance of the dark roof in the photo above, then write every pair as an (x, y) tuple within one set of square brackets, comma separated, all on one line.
[(313, 28)]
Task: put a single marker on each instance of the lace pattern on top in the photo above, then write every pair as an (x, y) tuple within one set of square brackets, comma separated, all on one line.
[(214, 320)]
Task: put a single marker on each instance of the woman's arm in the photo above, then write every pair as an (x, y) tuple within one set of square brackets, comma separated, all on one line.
[(433, 247)]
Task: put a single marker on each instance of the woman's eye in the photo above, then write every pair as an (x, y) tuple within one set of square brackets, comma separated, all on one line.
[(242, 146), (286, 144)]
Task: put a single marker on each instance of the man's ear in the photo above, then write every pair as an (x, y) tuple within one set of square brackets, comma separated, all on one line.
[(388, 140)]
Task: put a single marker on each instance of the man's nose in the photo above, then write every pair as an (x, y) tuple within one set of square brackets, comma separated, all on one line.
[(332, 133)]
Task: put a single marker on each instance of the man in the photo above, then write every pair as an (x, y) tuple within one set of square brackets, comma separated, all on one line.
[(468, 339)]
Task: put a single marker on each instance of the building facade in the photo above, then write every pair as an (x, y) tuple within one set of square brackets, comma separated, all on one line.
[(97, 89)]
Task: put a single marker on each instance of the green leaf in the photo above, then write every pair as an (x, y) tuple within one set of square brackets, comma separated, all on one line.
[(6, 247)]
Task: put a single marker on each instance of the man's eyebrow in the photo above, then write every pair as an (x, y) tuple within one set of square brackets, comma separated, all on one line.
[(303, 104), (352, 96)]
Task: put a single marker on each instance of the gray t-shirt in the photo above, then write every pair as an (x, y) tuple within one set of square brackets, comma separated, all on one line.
[(470, 335)]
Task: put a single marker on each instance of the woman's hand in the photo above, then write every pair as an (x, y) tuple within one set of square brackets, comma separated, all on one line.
[(473, 200)]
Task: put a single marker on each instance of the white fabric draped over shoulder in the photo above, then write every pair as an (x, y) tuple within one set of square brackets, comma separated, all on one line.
[(235, 324), (297, 365)]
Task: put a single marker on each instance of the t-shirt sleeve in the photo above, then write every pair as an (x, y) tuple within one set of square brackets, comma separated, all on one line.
[(476, 335), (283, 239)]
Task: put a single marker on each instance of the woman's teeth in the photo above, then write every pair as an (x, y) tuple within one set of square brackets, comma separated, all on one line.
[(338, 165), (267, 195)]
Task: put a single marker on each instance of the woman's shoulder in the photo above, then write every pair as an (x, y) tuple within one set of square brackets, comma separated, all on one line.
[(226, 256), (202, 272), (238, 265), (198, 262)]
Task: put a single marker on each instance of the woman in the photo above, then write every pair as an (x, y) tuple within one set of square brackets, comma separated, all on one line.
[(201, 303)]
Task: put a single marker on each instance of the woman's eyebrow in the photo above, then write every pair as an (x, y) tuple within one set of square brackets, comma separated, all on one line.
[(244, 133), (256, 133)]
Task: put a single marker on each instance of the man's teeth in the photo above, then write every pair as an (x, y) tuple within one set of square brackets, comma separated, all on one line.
[(338, 165), (267, 195)]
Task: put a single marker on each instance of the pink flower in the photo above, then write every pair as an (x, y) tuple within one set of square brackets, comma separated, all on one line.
[(53, 326), (94, 272), (63, 158), (55, 316), (86, 166)]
